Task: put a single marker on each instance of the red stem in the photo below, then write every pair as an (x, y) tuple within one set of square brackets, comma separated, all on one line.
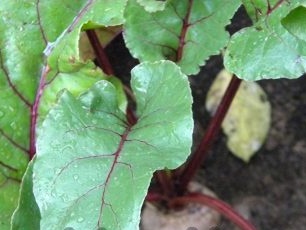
[(182, 36), (272, 8), (213, 129), (155, 197), (104, 63), (34, 111), (102, 58), (166, 183), (218, 205)]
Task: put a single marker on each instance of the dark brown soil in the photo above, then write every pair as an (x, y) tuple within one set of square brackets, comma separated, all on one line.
[(271, 189)]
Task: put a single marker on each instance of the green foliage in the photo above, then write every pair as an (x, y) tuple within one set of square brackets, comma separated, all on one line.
[(267, 50), (27, 214), (93, 168), (22, 78), (9, 190), (112, 162), (295, 22), (180, 33)]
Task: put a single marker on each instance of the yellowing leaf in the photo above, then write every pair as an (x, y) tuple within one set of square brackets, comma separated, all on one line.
[(248, 120)]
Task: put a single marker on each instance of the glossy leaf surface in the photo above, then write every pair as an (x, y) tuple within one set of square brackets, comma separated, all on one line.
[(267, 50), (187, 32), (92, 168), (32, 74), (248, 120)]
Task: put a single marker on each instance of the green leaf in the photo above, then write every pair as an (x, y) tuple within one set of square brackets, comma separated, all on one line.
[(186, 31), (258, 9), (92, 168), (295, 22), (9, 191), (267, 50), (30, 77), (152, 5), (27, 215), (248, 120)]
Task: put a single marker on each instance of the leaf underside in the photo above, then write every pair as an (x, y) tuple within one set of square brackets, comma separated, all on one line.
[(93, 168), (187, 32)]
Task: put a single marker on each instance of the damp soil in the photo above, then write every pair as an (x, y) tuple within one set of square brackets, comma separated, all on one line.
[(271, 189)]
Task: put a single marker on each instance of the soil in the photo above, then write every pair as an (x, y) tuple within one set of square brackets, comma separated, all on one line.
[(271, 189)]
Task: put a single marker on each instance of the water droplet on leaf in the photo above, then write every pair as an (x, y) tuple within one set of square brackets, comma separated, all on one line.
[(80, 219), (75, 177)]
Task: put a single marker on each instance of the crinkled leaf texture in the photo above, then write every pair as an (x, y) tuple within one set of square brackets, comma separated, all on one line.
[(248, 120), (38, 58), (186, 31), (267, 50), (92, 168)]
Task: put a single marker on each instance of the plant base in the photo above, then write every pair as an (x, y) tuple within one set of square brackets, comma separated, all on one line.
[(192, 217)]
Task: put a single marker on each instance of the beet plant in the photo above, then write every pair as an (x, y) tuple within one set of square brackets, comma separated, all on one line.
[(74, 152)]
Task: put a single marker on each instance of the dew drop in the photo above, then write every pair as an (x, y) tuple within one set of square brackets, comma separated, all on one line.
[(57, 171), (53, 194), (1, 114), (13, 125), (75, 177), (65, 198), (11, 108), (80, 219)]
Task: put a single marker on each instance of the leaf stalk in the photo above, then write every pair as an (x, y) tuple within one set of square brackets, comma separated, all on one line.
[(196, 160)]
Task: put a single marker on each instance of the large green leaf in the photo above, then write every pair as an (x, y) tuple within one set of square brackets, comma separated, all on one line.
[(186, 31), (31, 74), (93, 169), (248, 120), (27, 215), (267, 49)]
